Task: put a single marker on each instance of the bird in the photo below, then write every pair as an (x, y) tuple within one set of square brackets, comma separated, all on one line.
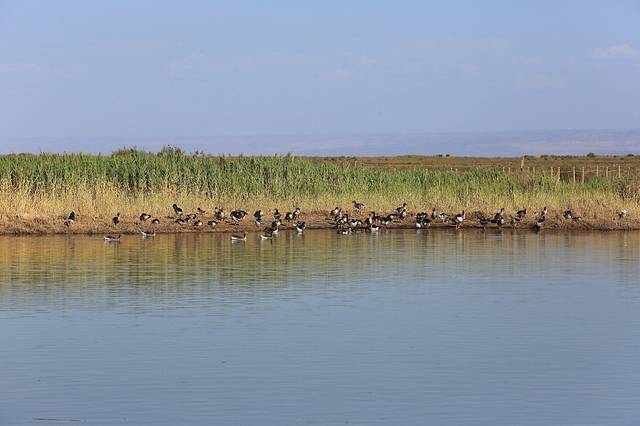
[(621, 214), (344, 231), (402, 214), (335, 212), (177, 209), (300, 227), (112, 239), (498, 215), (539, 223), (359, 206), (296, 213), (144, 217), (235, 237), (288, 216), (544, 211), (237, 215), (570, 215), (267, 235), (116, 219), (198, 224), (147, 234), (513, 222), (458, 219), (212, 223), (274, 226), (218, 213), (70, 219), (201, 212), (401, 208), (520, 214), (374, 228), (484, 222), (277, 215), (181, 221), (258, 215), (155, 221)]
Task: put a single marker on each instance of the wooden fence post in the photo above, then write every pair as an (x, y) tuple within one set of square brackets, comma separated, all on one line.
[(606, 172), (597, 171), (582, 177), (619, 171), (558, 173), (574, 175)]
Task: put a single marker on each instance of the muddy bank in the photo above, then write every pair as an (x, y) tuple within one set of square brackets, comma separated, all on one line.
[(314, 220)]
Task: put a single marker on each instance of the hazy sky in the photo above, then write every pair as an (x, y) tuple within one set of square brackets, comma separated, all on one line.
[(137, 70)]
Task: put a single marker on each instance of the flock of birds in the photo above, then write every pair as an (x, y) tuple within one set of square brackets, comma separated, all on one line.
[(344, 222)]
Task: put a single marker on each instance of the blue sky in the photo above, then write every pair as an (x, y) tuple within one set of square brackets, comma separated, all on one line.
[(115, 72)]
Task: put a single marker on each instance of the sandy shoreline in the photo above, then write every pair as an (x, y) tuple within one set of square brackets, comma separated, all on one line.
[(313, 220)]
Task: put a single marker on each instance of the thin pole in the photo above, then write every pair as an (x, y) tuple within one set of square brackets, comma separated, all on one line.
[(582, 177), (606, 172), (619, 171), (574, 175), (597, 171)]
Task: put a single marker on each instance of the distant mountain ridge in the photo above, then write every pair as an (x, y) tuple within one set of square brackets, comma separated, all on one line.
[(509, 143)]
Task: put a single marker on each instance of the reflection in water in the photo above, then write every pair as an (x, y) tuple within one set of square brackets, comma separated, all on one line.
[(402, 327)]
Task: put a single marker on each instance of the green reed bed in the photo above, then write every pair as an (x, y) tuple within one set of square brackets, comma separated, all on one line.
[(128, 176)]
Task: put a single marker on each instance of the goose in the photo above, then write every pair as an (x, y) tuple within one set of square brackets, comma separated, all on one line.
[(277, 215), (421, 216), (212, 223), (458, 219), (335, 211), (156, 221), (539, 223), (386, 221), (198, 224), (355, 223), (401, 208), (296, 213), (498, 215), (621, 214), (402, 214), (520, 214), (242, 237), (258, 215), (424, 223), (374, 228), (201, 212), (177, 209), (544, 211), (274, 226), (144, 217), (358, 206), (434, 214), (112, 239), (181, 221), (499, 221), (147, 234), (218, 213), (568, 214), (344, 231), (116, 219), (237, 215), (288, 216), (514, 222), (484, 222), (70, 219), (300, 227), (268, 234)]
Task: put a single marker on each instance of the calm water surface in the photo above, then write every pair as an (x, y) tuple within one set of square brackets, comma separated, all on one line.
[(406, 327)]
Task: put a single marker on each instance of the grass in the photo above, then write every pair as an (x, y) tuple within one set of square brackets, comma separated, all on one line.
[(48, 186)]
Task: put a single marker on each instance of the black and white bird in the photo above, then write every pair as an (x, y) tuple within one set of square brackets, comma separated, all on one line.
[(70, 219), (237, 215), (144, 217), (178, 211), (300, 227), (458, 219), (358, 206), (116, 219)]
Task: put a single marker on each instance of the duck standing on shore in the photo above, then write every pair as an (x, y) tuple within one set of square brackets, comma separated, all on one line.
[(237, 215), (178, 211), (70, 219), (144, 217), (458, 219), (116, 219), (358, 206)]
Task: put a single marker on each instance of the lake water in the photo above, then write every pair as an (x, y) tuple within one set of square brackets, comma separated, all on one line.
[(405, 327)]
